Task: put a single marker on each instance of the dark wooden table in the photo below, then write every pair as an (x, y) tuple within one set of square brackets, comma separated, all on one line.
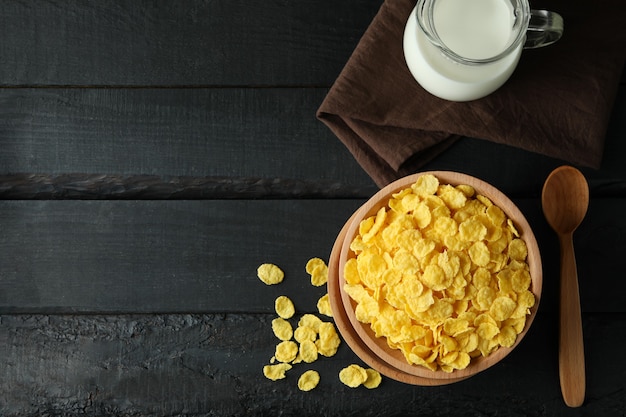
[(154, 153)]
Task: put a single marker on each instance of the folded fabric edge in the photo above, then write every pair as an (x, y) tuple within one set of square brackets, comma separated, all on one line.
[(376, 167), (381, 172)]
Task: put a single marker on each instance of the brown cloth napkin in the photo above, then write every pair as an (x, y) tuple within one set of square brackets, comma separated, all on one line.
[(557, 103)]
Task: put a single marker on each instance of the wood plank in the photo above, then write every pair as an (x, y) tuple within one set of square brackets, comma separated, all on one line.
[(235, 133), (149, 256), (63, 256), (250, 136), (211, 365), (181, 43), (154, 187)]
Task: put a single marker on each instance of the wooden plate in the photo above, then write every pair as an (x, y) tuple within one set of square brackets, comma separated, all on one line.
[(361, 338)]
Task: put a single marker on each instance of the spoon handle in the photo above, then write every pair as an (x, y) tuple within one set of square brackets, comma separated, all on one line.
[(571, 349)]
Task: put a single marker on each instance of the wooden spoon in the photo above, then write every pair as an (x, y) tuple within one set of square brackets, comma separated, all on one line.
[(565, 198)]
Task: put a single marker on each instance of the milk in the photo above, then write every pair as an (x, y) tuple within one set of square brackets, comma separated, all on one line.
[(476, 29), (470, 31)]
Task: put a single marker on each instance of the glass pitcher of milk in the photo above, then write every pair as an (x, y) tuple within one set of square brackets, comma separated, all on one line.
[(462, 50)]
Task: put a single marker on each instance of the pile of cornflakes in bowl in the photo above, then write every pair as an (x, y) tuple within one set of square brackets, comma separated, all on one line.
[(440, 277)]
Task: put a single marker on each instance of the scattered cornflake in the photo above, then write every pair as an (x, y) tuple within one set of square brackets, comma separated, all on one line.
[(276, 372), (286, 351), (328, 341), (308, 351), (373, 379), (270, 274), (313, 336), (308, 380), (284, 307), (304, 333), (323, 306), (353, 375), (311, 321), (282, 329), (318, 270)]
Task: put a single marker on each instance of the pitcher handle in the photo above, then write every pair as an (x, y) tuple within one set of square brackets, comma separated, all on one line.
[(544, 28)]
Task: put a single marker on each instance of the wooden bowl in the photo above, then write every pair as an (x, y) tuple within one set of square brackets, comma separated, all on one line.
[(360, 337)]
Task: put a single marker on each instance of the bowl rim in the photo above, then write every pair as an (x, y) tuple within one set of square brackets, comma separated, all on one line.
[(378, 346)]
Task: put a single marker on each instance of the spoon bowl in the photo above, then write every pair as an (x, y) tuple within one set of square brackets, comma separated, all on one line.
[(565, 198)]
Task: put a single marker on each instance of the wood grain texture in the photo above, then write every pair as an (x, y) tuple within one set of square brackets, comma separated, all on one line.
[(167, 256), (200, 43), (228, 133), (154, 187), (206, 365), (154, 153), (266, 133), (79, 186), (182, 256), (211, 43), (565, 199)]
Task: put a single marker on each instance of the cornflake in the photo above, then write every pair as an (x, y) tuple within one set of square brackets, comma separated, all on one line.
[(308, 351), (308, 380), (441, 273), (328, 341), (311, 321), (353, 375), (373, 379), (282, 329), (304, 333), (313, 336), (270, 274), (276, 372), (323, 306), (284, 307), (318, 270), (286, 351)]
